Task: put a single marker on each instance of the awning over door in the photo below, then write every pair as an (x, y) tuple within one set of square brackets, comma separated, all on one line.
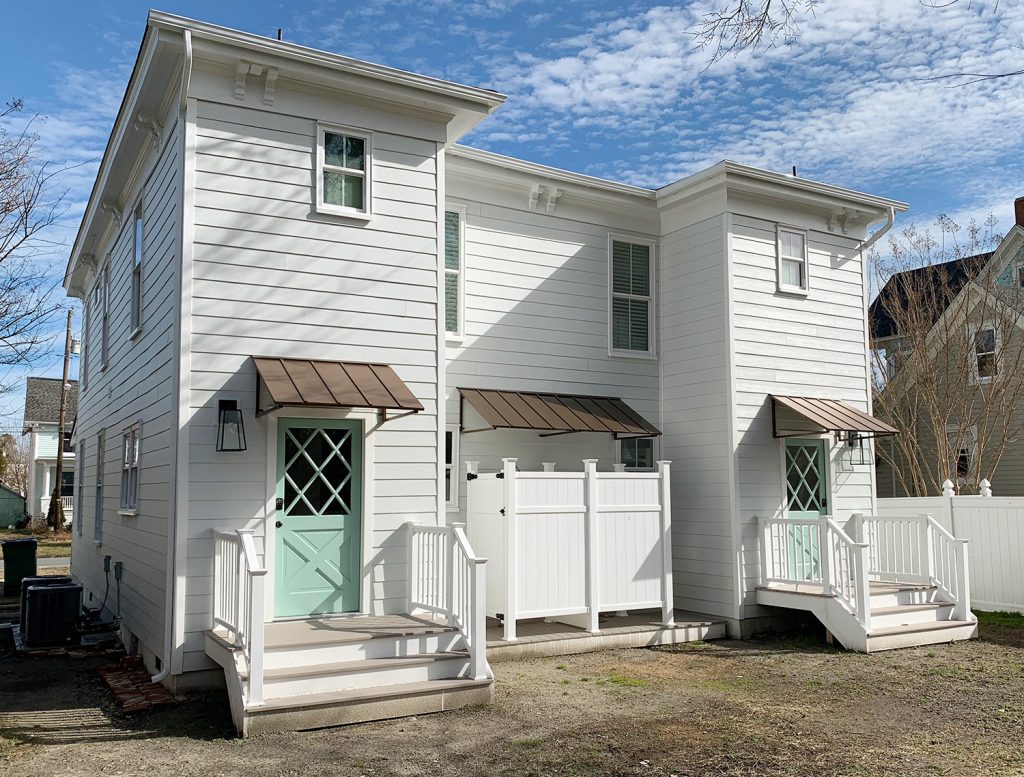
[(800, 416), (315, 383), (553, 414)]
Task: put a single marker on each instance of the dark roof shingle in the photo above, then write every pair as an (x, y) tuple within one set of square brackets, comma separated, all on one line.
[(42, 401)]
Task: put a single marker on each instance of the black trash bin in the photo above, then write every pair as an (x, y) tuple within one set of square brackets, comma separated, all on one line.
[(19, 563)]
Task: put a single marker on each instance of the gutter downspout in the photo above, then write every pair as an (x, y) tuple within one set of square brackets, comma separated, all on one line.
[(172, 529), (890, 218)]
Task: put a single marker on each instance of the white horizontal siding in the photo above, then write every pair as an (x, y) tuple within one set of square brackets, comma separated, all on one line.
[(695, 416), (272, 278), (137, 385), (536, 319), (783, 344)]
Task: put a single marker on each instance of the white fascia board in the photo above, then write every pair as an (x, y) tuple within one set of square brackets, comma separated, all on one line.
[(122, 124), (578, 180), (738, 177), (257, 43)]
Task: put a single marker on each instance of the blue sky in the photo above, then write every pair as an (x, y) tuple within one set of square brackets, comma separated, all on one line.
[(608, 88)]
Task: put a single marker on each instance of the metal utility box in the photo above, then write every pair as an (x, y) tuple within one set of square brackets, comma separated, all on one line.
[(27, 582), (19, 563), (51, 615)]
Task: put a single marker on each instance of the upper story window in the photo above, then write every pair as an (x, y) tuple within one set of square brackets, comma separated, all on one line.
[(985, 345), (344, 160), (130, 469), (453, 279), (137, 273), (791, 248), (1020, 276), (105, 315), (83, 376), (631, 298)]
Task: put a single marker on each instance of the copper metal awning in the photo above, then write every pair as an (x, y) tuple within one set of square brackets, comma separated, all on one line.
[(316, 383), (800, 416), (553, 414)]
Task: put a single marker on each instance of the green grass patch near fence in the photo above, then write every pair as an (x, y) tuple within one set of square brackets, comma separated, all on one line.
[(1014, 620)]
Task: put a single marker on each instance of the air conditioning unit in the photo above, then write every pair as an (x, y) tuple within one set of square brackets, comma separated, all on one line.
[(51, 615), (27, 582)]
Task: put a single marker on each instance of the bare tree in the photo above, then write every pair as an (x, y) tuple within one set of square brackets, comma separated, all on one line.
[(29, 205), (14, 463), (948, 356), (742, 25)]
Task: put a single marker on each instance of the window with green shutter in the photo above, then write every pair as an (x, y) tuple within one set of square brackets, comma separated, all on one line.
[(452, 271), (632, 295)]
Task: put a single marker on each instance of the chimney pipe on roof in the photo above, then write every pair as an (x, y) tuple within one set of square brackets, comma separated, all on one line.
[(1018, 211)]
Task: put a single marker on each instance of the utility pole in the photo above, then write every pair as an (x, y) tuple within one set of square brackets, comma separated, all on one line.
[(55, 515)]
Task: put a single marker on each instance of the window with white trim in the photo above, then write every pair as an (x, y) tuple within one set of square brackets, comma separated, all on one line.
[(963, 464), (453, 280), (137, 272), (130, 469), (344, 159), (1020, 277), (105, 315), (83, 372), (451, 467), (637, 453), (631, 297), (984, 343), (97, 527), (793, 269)]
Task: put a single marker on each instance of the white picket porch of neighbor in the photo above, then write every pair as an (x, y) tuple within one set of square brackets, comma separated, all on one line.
[(66, 502), (877, 582), (994, 527), (569, 546)]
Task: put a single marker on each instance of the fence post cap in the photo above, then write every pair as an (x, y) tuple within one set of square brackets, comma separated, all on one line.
[(947, 487)]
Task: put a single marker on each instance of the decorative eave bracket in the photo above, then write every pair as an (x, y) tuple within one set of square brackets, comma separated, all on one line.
[(245, 68)]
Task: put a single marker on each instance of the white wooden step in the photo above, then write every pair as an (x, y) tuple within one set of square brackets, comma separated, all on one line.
[(286, 682), (915, 635), (895, 595), (336, 708), (906, 614), (321, 641)]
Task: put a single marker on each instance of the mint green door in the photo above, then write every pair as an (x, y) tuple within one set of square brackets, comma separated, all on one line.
[(806, 497), (319, 516)]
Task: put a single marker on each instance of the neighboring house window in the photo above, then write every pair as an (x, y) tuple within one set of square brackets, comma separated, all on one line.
[(631, 297), (451, 467), (67, 483), (453, 253), (79, 516), (985, 342), (105, 314), (792, 260), (137, 273), (344, 171), (130, 469), (1020, 276), (98, 506), (68, 446), (637, 453), (963, 463)]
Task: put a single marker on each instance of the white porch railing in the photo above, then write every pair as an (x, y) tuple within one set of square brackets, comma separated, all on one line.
[(66, 502), (817, 554), (570, 545), (447, 578), (239, 582), (917, 549)]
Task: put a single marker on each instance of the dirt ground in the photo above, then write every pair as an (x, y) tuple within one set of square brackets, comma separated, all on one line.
[(773, 707)]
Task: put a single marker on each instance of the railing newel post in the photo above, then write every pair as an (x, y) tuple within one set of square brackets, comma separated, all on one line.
[(825, 555)]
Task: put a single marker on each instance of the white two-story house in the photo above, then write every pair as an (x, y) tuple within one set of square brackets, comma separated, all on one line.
[(41, 422), (317, 326)]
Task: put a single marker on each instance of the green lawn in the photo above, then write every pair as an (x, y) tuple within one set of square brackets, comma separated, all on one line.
[(1011, 619), (51, 544)]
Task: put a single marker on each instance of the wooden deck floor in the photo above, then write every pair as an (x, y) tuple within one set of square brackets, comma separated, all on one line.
[(637, 629)]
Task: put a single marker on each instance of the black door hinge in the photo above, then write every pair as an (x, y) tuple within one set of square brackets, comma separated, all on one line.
[(500, 476), (471, 476)]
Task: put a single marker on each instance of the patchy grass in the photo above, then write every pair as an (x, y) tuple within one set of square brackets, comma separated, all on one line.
[(787, 707), (50, 544), (1013, 620)]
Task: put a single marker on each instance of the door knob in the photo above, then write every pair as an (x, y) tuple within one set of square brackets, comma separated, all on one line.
[(277, 524)]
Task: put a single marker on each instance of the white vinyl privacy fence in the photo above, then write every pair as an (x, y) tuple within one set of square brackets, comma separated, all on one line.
[(569, 545), (994, 529)]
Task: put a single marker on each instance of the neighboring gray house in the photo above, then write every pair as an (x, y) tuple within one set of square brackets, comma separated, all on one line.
[(41, 422)]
